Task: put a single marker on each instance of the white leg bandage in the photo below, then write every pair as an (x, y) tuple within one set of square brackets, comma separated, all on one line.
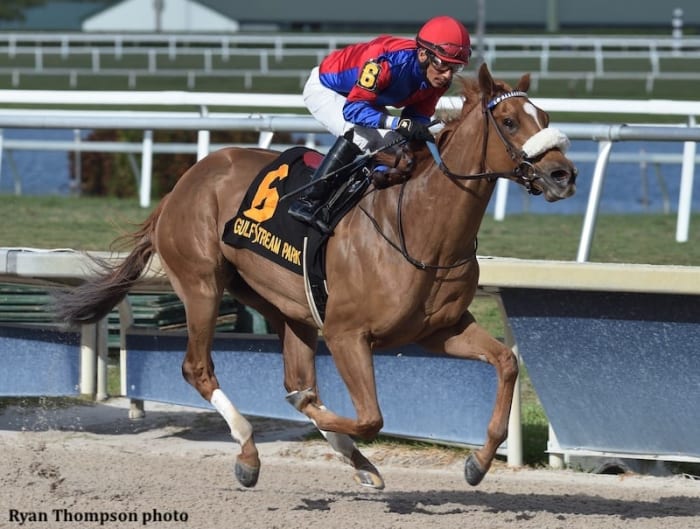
[(341, 443), (241, 430)]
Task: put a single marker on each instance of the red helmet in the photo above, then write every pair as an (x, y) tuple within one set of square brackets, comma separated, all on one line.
[(447, 38)]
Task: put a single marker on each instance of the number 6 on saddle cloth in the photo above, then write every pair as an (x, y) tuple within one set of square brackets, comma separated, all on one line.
[(263, 225)]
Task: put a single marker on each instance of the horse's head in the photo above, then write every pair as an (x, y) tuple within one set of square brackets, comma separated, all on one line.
[(519, 142)]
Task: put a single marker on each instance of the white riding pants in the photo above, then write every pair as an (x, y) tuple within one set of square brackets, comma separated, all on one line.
[(326, 106)]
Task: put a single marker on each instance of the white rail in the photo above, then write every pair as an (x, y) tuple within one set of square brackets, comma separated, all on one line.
[(267, 124)]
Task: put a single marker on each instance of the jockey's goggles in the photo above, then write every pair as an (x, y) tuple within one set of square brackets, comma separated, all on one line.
[(448, 50), (443, 66)]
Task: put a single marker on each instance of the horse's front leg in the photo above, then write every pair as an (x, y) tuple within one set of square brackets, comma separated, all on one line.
[(469, 340), (201, 302), (352, 356), (300, 381)]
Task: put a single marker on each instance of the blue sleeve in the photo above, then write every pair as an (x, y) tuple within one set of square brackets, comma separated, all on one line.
[(407, 113), (362, 113)]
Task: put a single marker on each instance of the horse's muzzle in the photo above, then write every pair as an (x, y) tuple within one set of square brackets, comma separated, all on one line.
[(556, 183)]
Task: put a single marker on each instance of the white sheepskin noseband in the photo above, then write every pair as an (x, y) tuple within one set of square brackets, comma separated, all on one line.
[(545, 140)]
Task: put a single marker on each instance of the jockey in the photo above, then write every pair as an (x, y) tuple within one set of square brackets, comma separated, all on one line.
[(351, 88)]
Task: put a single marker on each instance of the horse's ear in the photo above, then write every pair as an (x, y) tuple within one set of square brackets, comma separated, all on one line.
[(524, 83), (486, 82)]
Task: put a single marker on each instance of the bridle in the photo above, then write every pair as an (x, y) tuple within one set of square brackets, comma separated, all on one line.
[(523, 173)]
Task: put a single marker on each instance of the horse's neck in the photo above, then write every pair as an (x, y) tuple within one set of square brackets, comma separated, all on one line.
[(457, 206), (440, 215)]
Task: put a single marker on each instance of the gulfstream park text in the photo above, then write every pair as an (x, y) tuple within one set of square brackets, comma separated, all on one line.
[(96, 517)]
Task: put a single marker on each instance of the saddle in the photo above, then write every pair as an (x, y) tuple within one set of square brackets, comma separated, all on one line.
[(263, 225)]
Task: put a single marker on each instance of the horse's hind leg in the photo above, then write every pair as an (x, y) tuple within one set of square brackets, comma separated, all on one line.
[(300, 381), (469, 340), (201, 294), (366, 474), (299, 348)]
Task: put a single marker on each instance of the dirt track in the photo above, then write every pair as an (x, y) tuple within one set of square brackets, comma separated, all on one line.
[(174, 470)]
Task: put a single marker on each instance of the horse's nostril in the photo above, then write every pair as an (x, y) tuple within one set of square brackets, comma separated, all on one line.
[(562, 175)]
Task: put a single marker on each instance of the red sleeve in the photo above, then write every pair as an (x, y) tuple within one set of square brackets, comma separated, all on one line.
[(426, 106)]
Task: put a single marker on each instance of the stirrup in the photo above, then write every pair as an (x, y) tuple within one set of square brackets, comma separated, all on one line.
[(306, 211), (321, 226), (303, 210)]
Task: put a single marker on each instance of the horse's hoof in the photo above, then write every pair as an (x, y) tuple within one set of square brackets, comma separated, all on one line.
[(369, 479), (246, 475), (473, 472)]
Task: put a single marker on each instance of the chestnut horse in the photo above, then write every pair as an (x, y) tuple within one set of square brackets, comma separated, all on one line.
[(401, 268)]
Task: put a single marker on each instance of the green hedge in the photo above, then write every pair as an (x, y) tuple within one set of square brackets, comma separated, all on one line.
[(112, 174)]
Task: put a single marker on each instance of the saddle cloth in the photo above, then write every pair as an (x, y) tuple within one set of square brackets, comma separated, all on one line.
[(263, 225)]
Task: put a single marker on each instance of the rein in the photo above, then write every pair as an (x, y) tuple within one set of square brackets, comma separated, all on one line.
[(522, 172), (402, 240)]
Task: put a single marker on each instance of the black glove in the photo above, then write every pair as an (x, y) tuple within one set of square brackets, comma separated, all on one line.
[(414, 130)]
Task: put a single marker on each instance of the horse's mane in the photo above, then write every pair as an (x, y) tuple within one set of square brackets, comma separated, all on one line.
[(471, 96)]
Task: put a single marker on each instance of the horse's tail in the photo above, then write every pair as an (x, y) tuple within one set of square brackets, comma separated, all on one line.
[(92, 300)]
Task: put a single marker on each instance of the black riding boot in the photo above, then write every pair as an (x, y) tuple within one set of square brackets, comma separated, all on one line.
[(306, 206)]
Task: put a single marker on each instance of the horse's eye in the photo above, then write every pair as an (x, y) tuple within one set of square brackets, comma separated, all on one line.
[(509, 123)]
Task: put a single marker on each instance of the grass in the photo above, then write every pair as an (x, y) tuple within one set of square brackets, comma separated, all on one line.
[(636, 238), (87, 223), (83, 223)]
